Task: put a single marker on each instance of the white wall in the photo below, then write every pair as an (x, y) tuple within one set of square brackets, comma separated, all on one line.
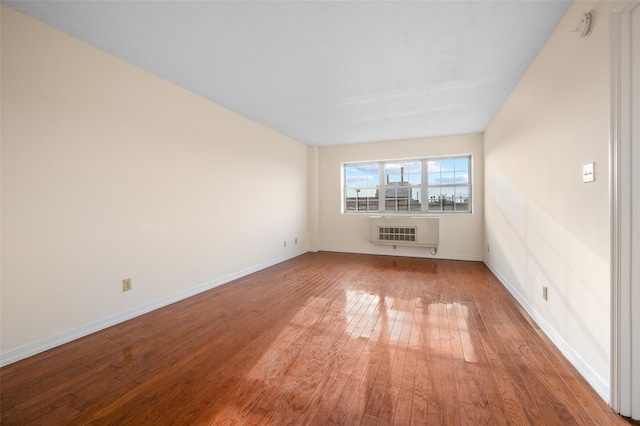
[(109, 172), (461, 235), (543, 225)]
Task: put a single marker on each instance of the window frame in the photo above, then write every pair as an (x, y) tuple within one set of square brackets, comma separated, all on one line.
[(382, 201)]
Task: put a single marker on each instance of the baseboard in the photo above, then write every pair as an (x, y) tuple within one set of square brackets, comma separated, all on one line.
[(594, 379), (34, 348), (401, 253)]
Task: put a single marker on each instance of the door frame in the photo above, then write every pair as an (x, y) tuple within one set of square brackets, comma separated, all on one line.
[(625, 373)]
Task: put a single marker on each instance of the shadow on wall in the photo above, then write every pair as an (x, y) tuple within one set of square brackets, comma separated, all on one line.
[(530, 250)]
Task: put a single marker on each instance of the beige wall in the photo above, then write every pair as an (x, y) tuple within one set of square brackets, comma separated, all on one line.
[(543, 225), (461, 235), (109, 172)]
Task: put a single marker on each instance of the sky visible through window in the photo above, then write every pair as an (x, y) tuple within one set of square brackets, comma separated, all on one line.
[(446, 174), (363, 176), (447, 181), (440, 172)]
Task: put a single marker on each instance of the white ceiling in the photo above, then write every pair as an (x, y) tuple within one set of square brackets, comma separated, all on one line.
[(326, 72)]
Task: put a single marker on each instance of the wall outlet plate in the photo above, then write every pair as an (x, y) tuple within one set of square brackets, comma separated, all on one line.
[(588, 173)]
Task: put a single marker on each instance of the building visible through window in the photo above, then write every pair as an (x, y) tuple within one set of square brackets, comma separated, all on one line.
[(411, 186), (449, 185)]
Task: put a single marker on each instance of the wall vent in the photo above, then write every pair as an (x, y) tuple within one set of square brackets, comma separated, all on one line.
[(410, 231), (405, 233)]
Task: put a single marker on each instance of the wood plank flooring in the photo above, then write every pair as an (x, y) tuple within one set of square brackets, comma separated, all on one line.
[(325, 338)]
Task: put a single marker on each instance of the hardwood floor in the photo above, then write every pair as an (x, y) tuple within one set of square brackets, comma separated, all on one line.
[(325, 338)]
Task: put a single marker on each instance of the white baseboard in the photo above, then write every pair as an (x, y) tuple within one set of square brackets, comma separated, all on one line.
[(403, 253), (34, 348), (594, 379)]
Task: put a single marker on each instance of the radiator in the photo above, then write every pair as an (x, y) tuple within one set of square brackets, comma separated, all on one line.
[(408, 231)]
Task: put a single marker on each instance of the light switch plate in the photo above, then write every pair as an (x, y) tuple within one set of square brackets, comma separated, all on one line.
[(588, 173)]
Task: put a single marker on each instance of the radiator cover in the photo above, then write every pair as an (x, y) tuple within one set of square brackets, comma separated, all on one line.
[(408, 231)]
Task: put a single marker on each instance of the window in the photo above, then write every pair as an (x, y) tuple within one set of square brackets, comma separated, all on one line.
[(403, 186), (412, 186), (361, 187), (449, 184)]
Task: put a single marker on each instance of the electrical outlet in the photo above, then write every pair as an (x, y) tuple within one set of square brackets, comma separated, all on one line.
[(285, 243), (296, 241), (126, 284), (544, 292)]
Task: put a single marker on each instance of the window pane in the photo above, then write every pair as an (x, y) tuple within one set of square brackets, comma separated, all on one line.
[(393, 178), (462, 177), (447, 199), (435, 199), (461, 192), (350, 176), (461, 198), (462, 164), (403, 171), (416, 194), (361, 175), (372, 175), (415, 203), (447, 165), (361, 181), (434, 178), (447, 178), (402, 185), (368, 193), (351, 193)]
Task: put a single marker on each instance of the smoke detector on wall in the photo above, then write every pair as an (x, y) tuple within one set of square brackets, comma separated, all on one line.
[(585, 24)]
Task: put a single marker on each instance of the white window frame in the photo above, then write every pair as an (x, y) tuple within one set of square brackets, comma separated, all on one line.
[(424, 187)]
